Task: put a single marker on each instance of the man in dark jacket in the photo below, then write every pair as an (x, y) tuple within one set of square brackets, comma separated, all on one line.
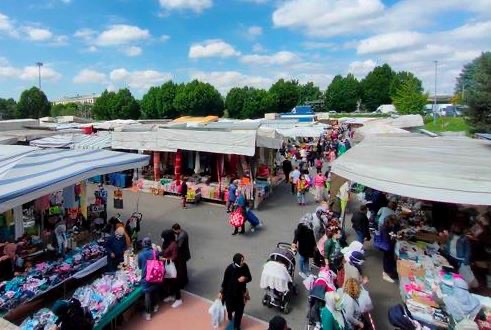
[(287, 168), (234, 288), (359, 221), (115, 247), (304, 243), (184, 192), (184, 255), (72, 316)]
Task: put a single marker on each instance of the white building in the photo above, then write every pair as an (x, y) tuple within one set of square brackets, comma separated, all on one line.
[(79, 99)]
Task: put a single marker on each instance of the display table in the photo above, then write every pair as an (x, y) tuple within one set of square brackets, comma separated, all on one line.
[(119, 308)]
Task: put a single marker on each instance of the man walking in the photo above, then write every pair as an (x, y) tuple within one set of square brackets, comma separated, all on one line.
[(359, 221), (182, 240), (287, 168), (294, 176), (234, 289), (232, 195)]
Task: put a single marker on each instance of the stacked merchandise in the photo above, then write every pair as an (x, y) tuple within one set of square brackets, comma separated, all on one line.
[(99, 297), (46, 275)]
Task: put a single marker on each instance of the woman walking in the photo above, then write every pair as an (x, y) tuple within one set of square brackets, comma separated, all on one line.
[(320, 185), (302, 187), (170, 254), (304, 243), (234, 289), (150, 290)]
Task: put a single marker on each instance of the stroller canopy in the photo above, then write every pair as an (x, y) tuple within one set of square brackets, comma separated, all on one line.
[(275, 276)]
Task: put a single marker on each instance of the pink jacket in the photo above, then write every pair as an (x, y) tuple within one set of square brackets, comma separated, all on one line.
[(319, 180)]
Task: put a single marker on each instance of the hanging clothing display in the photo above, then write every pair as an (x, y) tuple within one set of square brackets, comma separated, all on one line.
[(69, 201), (42, 203), (83, 198), (118, 199), (197, 164), (19, 221)]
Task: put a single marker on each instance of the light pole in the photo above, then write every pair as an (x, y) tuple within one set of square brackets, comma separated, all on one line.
[(39, 64), (434, 99)]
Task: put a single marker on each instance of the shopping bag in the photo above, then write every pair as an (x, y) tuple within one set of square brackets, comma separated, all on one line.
[(380, 243), (365, 301), (237, 218), (468, 275), (155, 270), (308, 282), (170, 269), (217, 311)]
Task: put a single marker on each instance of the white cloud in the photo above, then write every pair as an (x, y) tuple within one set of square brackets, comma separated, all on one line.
[(212, 48), (254, 31), (361, 68), (319, 45), (279, 58), (132, 51), (259, 2), (194, 5), (85, 34), (37, 34), (31, 73), (60, 40), (392, 41), (258, 48), (91, 49), (139, 79), (120, 34), (472, 31), (7, 26), (88, 76), (226, 80), (327, 17), (164, 38)]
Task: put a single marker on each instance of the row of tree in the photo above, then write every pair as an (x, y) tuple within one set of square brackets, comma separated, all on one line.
[(473, 89), (196, 98)]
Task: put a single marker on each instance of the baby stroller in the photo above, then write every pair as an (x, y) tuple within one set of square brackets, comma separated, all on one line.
[(277, 278)]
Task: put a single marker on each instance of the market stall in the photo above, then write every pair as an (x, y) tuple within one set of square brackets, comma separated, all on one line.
[(208, 157), (106, 297)]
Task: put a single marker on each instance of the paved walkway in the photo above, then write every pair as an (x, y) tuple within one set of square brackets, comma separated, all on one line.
[(212, 248), (193, 314)]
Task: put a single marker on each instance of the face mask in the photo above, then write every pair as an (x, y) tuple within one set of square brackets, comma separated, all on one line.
[(238, 266)]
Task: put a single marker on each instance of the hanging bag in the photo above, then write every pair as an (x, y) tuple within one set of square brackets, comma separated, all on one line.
[(170, 269), (379, 242), (237, 218), (155, 270)]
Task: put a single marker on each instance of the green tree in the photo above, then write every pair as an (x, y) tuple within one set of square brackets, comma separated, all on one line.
[(465, 80), (197, 98), (104, 106), (409, 97), (287, 93), (69, 109), (8, 108), (479, 95), (376, 87), (308, 92), (33, 103), (399, 79), (234, 101), (158, 102), (343, 94), (126, 105)]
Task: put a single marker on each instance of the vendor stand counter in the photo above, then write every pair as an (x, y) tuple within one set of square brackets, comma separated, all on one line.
[(119, 308)]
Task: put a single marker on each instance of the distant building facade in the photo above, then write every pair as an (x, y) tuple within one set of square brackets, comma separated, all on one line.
[(79, 99)]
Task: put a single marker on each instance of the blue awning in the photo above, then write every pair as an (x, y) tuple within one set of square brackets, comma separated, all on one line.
[(27, 173)]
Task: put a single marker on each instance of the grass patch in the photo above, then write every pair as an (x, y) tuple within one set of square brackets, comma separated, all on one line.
[(446, 124)]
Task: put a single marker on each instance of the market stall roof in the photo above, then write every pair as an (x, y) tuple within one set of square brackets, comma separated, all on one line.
[(435, 169), (27, 173), (306, 131), (168, 139), (101, 140)]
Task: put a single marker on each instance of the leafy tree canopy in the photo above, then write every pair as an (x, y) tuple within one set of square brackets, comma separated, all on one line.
[(33, 103)]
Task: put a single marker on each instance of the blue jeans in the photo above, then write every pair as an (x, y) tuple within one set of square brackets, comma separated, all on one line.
[(360, 236), (301, 197), (304, 264)]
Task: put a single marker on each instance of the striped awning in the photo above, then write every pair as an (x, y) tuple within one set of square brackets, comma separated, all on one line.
[(27, 173)]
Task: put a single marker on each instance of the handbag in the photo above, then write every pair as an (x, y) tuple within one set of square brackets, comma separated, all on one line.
[(380, 243), (170, 269), (155, 270), (365, 301), (237, 218)]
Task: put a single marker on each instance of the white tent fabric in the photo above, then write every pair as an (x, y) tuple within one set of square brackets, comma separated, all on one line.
[(307, 131), (434, 169), (243, 143), (27, 173), (101, 140)]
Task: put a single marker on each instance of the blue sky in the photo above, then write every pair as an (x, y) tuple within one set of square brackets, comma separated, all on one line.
[(89, 45)]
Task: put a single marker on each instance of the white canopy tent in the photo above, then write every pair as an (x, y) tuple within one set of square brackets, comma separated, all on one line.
[(223, 142), (434, 169), (101, 140), (27, 173), (302, 131)]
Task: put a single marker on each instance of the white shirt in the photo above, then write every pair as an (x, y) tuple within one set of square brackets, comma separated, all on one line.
[(295, 175), (453, 246)]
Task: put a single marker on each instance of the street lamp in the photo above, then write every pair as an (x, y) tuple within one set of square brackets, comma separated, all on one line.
[(39, 64), (434, 100)]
